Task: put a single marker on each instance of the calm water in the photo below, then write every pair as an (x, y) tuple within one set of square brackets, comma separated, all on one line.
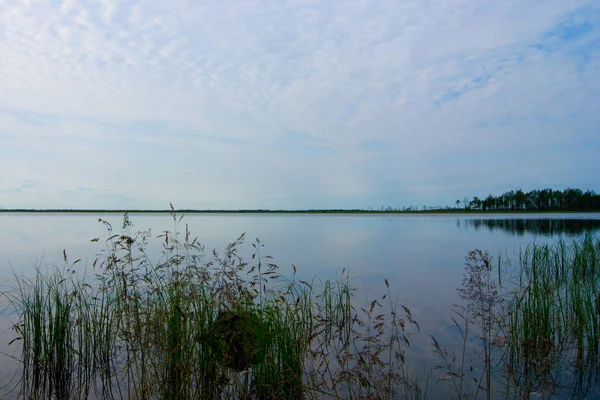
[(421, 255)]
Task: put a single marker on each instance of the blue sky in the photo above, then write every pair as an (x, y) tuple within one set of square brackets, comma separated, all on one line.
[(295, 104)]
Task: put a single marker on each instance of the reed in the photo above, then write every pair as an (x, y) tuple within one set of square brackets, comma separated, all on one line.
[(555, 318), (539, 329), (193, 324)]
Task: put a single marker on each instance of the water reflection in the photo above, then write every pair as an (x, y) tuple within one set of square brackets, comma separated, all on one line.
[(536, 226)]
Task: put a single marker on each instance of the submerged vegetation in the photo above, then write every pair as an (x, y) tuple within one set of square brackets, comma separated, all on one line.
[(193, 324)]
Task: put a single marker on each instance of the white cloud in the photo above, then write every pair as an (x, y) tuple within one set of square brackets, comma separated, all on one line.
[(132, 84)]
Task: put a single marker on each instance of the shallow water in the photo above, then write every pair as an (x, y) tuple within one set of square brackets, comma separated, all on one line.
[(421, 255)]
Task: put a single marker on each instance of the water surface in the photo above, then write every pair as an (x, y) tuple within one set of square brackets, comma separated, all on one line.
[(422, 255)]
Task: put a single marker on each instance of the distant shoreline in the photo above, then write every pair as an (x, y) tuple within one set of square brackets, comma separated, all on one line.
[(325, 211)]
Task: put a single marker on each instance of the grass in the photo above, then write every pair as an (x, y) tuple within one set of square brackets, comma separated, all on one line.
[(537, 323), (196, 324), (555, 317)]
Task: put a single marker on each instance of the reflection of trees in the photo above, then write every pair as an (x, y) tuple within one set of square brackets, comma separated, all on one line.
[(545, 226)]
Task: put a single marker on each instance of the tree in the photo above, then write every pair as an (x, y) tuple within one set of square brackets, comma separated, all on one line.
[(489, 203), (537, 200), (475, 203)]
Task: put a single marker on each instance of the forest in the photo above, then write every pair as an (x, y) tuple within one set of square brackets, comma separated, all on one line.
[(535, 200)]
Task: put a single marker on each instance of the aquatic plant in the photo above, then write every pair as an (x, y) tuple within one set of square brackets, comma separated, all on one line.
[(539, 322), (480, 300), (193, 324), (553, 339)]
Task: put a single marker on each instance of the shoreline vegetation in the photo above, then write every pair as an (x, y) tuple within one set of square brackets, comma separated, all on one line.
[(537, 201), (200, 324)]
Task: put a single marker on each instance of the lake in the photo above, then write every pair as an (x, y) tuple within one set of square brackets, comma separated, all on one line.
[(421, 255)]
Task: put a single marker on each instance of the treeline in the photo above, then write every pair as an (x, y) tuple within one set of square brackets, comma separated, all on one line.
[(535, 200)]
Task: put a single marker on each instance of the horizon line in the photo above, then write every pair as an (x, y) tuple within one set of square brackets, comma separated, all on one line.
[(408, 210)]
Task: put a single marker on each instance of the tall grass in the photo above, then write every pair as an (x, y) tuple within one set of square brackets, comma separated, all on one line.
[(479, 309), (554, 318), (539, 331), (194, 324)]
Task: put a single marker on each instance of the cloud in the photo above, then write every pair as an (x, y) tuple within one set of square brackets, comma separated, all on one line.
[(372, 145), (19, 188), (30, 117), (327, 102), (300, 137)]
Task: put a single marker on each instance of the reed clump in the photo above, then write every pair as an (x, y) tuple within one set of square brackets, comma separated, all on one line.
[(195, 324), (537, 323), (553, 339)]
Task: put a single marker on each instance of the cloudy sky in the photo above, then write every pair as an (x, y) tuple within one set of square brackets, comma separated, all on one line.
[(295, 104)]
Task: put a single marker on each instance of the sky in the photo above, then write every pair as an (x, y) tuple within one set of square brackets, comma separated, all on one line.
[(213, 104)]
